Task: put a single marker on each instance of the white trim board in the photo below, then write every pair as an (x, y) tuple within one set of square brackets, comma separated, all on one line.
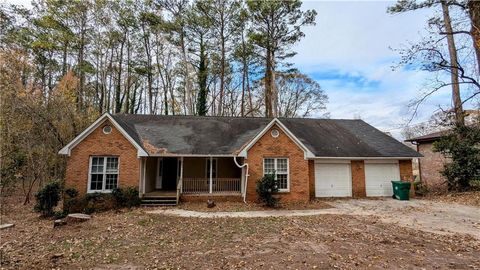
[(307, 152), (68, 148), (365, 158)]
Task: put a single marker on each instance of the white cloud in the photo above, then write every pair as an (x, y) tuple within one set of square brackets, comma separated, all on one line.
[(354, 40)]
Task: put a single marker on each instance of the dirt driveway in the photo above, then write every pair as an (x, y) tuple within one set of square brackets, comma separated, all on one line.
[(430, 216)]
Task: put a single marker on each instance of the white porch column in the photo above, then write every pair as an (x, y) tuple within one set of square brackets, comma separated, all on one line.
[(181, 174), (143, 168), (211, 174)]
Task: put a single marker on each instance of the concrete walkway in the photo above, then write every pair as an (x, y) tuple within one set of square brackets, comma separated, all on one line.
[(246, 214)]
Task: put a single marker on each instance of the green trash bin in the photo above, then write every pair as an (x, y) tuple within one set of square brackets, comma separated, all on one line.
[(401, 190)]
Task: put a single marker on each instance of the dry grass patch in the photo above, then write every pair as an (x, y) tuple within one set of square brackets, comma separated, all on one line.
[(133, 239), (241, 207)]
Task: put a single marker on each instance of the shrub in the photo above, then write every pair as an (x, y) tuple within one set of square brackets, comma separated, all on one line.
[(461, 146), (420, 188), (71, 192), (99, 202), (126, 197), (48, 198), (266, 187)]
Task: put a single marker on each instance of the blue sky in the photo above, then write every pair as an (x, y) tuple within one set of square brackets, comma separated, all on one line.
[(349, 53)]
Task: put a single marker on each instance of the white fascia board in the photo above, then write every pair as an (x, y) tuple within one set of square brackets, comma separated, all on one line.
[(190, 155), (307, 152), (366, 158), (106, 116)]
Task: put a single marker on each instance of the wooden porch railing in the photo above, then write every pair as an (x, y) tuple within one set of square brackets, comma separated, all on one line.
[(219, 185)]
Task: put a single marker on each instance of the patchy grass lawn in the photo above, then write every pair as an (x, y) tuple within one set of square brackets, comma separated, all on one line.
[(133, 239)]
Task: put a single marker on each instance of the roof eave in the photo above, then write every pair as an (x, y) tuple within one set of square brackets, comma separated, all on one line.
[(66, 150)]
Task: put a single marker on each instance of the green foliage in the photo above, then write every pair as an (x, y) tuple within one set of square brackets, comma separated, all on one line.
[(126, 197), (99, 202), (71, 192), (462, 147), (420, 188), (202, 82), (48, 198), (266, 188)]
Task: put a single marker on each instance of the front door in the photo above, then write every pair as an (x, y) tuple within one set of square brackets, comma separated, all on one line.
[(158, 182), (166, 173)]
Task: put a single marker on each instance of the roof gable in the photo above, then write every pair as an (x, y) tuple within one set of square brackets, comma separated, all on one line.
[(160, 135), (275, 121), (66, 150)]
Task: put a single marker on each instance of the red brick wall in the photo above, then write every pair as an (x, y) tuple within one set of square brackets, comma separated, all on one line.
[(358, 179), (282, 146), (311, 178), (406, 170), (100, 144), (430, 166), (406, 173)]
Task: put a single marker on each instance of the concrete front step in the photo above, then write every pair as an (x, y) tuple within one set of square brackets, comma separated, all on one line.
[(159, 201)]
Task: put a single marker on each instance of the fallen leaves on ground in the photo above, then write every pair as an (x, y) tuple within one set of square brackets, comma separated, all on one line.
[(132, 239), (240, 206), (465, 198)]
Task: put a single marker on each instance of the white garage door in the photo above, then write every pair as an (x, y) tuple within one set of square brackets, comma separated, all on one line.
[(378, 177), (333, 180)]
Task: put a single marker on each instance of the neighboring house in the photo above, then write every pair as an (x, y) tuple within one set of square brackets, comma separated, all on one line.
[(432, 163), (196, 157)]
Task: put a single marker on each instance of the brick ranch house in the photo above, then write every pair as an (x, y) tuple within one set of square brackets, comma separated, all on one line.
[(192, 157), (432, 163)]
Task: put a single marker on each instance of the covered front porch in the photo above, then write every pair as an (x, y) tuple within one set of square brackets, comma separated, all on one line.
[(162, 176)]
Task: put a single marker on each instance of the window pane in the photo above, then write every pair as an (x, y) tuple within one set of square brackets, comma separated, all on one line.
[(282, 181), (269, 166), (97, 165), (112, 165), (111, 181), (282, 165), (96, 182)]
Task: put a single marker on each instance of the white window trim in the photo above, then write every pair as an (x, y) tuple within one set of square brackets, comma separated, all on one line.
[(104, 179), (280, 190)]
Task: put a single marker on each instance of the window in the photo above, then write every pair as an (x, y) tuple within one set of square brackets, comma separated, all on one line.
[(275, 133), (107, 129), (103, 174), (214, 168), (279, 168)]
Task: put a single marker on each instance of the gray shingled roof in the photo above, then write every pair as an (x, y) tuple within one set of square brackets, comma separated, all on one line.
[(226, 135), (429, 137)]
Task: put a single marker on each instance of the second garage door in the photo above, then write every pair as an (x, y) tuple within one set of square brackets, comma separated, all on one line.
[(378, 177), (333, 180)]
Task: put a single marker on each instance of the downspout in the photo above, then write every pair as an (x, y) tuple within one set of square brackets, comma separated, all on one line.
[(246, 177)]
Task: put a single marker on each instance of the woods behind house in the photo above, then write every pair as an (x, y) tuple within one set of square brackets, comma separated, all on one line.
[(63, 63)]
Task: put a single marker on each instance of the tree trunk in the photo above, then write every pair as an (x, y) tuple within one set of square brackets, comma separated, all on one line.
[(457, 101), (222, 67), (118, 91), (146, 43), (268, 84), (474, 11)]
